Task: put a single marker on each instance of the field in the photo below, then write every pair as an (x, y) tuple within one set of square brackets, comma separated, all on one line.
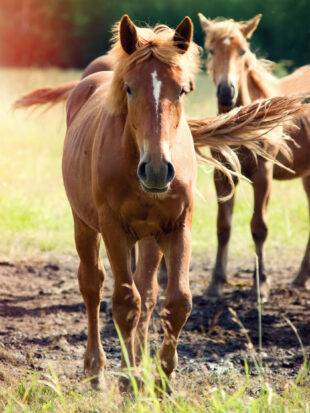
[(42, 318)]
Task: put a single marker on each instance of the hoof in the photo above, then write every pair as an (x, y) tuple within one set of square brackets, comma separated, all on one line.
[(300, 281), (94, 365), (214, 291), (98, 382), (162, 388), (128, 383), (264, 292)]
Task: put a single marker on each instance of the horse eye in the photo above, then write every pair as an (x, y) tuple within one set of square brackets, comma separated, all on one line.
[(211, 51), (128, 90), (241, 52)]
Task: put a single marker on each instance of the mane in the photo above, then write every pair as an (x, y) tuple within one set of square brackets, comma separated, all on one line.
[(157, 42), (221, 28)]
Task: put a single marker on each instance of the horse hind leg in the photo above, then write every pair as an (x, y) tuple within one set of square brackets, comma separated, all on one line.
[(224, 217), (304, 272), (91, 276), (262, 182)]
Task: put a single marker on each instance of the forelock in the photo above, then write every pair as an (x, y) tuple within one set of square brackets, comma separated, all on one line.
[(152, 42)]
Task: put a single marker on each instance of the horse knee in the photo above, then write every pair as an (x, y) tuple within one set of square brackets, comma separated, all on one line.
[(223, 235), (259, 233), (126, 309), (176, 311), (91, 281), (149, 303)]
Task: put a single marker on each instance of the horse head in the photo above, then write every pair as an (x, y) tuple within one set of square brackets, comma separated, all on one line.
[(227, 47), (155, 83)]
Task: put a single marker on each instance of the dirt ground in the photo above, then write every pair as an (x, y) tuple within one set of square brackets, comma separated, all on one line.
[(42, 317)]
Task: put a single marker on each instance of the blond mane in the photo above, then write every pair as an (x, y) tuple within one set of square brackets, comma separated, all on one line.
[(221, 28), (157, 42)]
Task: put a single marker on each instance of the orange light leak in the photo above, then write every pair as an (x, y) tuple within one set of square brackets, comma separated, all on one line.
[(34, 32)]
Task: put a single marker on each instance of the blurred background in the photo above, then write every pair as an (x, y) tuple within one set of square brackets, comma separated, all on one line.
[(70, 33)]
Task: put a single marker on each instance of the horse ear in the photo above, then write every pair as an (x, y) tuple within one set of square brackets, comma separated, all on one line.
[(204, 22), (128, 35), (248, 28), (183, 34)]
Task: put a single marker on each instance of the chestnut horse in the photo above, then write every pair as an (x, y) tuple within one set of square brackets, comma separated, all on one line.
[(240, 78), (129, 170)]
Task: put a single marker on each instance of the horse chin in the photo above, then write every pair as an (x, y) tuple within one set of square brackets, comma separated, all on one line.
[(155, 191), (224, 108)]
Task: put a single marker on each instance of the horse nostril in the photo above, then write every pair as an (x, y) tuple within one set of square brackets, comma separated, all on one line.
[(170, 173), (218, 90), (232, 89), (142, 170)]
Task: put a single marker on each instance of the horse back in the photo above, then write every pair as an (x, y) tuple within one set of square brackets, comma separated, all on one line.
[(298, 81), (300, 146), (101, 64), (83, 91), (82, 110)]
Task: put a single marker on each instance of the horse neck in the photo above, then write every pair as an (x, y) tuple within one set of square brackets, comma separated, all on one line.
[(255, 85), (129, 143)]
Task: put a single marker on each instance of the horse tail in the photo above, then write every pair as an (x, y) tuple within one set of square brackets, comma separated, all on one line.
[(48, 95), (257, 126)]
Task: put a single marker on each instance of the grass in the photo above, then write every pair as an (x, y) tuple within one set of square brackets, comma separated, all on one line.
[(35, 216), (46, 392)]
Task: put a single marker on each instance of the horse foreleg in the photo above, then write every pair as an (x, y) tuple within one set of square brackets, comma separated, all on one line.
[(304, 272), (126, 301), (262, 182), (224, 217), (91, 276), (146, 283), (178, 300)]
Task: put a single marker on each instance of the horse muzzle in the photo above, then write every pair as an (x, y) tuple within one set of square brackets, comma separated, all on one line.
[(226, 95), (155, 178)]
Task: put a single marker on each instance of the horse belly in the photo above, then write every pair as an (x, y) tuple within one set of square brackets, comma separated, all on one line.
[(76, 170)]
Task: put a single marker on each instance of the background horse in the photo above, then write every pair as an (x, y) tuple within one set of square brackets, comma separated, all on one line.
[(240, 78), (129, 170)]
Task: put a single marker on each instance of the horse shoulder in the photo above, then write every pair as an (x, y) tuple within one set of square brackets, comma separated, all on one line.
[(83, 91)]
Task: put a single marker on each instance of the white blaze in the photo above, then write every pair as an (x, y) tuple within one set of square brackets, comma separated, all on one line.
[(156, 89), (226, 41)]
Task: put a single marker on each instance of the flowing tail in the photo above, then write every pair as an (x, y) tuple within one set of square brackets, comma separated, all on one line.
[(45, 96), (255, 126)]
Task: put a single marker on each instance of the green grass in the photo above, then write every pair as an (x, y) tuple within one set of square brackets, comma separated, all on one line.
[(38, 392), (35, 215)]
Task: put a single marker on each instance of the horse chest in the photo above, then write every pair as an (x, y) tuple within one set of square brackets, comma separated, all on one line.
[(151, 220)]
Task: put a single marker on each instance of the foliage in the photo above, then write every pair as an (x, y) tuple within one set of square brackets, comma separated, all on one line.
[(70, 33)]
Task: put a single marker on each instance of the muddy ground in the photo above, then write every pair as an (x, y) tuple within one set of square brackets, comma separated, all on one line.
[(42, 317)]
